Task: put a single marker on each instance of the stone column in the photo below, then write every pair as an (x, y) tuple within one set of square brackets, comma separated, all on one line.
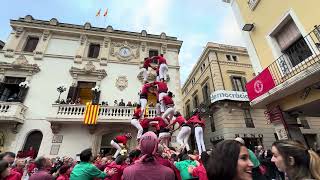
[(80, 52), (14, 40), (42, 45), (104, 51)]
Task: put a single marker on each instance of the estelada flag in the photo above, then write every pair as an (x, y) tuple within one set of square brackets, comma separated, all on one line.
[(260, 84), (105, 13), (98, 13), (91, 114)]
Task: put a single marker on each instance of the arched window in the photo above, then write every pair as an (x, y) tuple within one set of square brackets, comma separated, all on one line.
[(33, 140)]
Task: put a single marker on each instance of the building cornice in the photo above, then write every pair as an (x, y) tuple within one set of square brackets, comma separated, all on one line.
[(216, 47), (29, 22)]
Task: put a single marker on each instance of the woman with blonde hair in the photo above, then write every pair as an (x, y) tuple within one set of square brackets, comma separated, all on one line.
[(293, 158)]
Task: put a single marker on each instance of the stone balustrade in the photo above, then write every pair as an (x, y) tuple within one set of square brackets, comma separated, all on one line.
[(70, 112), (12, 112)]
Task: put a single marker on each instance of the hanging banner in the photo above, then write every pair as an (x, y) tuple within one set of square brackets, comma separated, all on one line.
[(228, 95), (260, 84)]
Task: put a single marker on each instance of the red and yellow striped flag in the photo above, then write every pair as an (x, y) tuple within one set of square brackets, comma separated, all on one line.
[(91, 114)]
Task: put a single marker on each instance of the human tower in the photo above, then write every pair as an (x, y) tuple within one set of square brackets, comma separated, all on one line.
[(166, 115)]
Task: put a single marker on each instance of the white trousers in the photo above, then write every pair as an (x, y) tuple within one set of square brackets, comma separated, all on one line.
[(183, 136), (198, 131), (163, 71), (164, 138), (162, 105), (143, 103), (137, 125), (158, 78), (158, 109), (168, 114), (117, 146), (145, 74)]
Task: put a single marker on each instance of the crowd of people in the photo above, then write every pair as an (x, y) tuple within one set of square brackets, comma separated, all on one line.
[(155, 159)]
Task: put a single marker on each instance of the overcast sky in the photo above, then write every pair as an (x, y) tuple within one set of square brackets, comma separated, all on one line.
[(195, 22)]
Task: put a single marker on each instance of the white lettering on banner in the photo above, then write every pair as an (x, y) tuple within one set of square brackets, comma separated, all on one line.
[(229, 95)]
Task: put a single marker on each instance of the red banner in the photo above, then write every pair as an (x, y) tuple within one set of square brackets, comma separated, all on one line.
[(260, 84)]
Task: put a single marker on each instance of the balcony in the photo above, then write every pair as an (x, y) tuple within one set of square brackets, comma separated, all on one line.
[(107, 114), (295, 70), (12, 112)]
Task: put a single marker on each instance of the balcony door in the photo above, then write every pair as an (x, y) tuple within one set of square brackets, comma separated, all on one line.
[(82, 91), (33, 140), (10, 90)]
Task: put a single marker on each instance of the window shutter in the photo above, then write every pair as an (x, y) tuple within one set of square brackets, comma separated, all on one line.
[(233, 83), (72, 93), (2, 87), (288, 34), (244, 82), (23, 94)]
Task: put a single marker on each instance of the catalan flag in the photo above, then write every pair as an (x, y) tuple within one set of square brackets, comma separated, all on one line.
[(146, 111), (91, 114)]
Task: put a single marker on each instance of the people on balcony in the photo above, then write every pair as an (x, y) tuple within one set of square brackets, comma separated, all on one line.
[(115, 103), (129, 104), (121, 103)]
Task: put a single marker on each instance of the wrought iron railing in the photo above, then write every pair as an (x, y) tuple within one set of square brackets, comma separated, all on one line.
[(298, 57)]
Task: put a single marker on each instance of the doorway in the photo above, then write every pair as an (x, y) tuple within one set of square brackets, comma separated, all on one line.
[(33, 140)]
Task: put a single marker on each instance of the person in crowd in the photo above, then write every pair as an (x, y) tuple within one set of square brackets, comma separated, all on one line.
[(169, 106), (146, 65), (78, 101), (118, 165), (164, 134), (120, 141), (257, 173), (121, 103), (163, 67), (272, 171), (198, 125), (31, 152), (21, 154), (102, 164), (145, 122), (199, 171), (229, 160), (85, 170), (20, 163), (134, 155), (115, 103), (147, 168), (63, 173), (162, 90), (43, 164), (129, 104), (183, 165), (297, 161), (8, 156), (135, 121), (146, 88), (4, 170), (185, 131)]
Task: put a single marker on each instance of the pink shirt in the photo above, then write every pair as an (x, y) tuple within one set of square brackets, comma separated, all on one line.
[(148, 171)]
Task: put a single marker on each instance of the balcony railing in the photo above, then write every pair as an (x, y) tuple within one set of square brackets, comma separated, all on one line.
[(68, 112), (302, 56), (12, 111)]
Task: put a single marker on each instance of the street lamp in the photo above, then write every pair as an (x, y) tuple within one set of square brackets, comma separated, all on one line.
[(60, 89)]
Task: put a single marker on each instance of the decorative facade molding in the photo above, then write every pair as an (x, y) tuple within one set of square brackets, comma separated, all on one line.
[(122, 82), (46, 34), (143, 46), (55, 128), (87, 26), (144, 33), (117, 46), (21, 64), (18, 31), (163, 49), (88, 70), (28, 18), (53, 22)]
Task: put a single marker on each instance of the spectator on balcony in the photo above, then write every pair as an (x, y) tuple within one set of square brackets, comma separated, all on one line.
[(69, 100), (129, 104), (62, 101), (13, 98), (115, 103), (121, 103), (78, 101)]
